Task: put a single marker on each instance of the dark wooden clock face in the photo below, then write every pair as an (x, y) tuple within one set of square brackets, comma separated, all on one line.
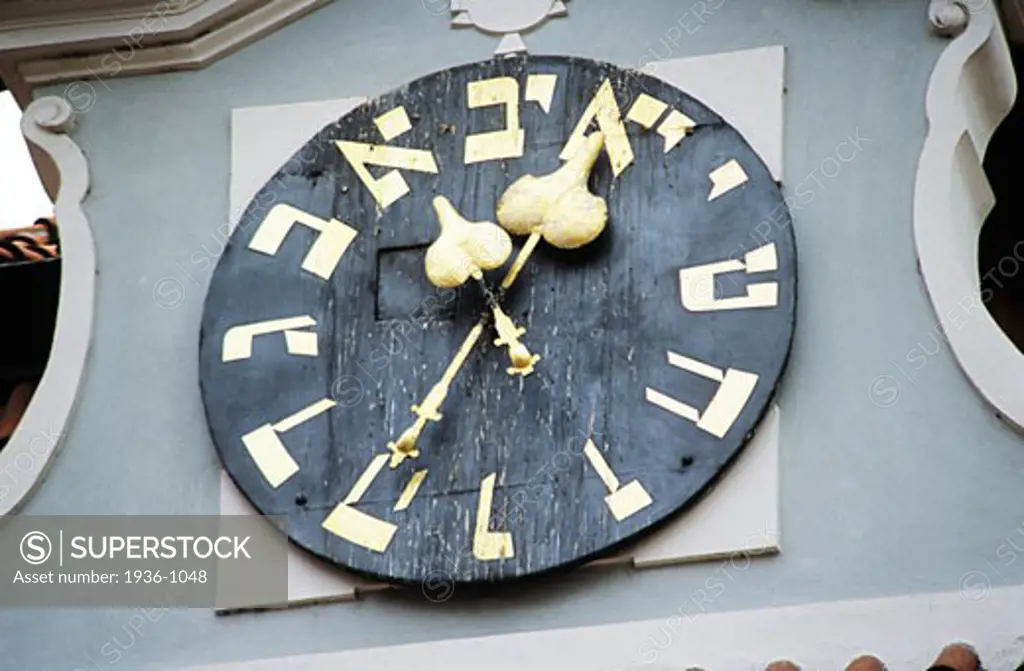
[(661, 342)]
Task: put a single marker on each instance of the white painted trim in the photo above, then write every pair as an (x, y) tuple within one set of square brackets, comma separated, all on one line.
[(948, 18), (47, 35), (15, 13), (971, 90), (157, 41), (507, 19), (189, 56), (31, 449), (905, 631)]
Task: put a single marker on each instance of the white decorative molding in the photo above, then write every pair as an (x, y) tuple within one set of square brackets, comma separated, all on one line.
[(948, 18), (30, 452), (29, 24), (971, 90), (906, 632), (508, 19), (62, 42)]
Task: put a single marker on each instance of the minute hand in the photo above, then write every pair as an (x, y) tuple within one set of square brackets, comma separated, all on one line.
[(430, 409), (557, 207)]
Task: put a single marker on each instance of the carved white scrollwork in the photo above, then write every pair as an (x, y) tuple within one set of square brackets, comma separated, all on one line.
[(948, 18), (508, 19), (971, 90), (35, 441)]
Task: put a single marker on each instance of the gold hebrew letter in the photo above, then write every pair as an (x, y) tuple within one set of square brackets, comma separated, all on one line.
[(489, 545), (674, 128), (367, 531), (356, 526), (268, 452), (609, 119), (541, 90), (646, 110), (238, 339), (697, 284), (622, 501), (725, 178), (734, 390), (322, 258), (497, 144), (392, 185), (393, 124)]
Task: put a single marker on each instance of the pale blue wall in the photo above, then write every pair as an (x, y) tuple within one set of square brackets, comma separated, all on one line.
[(876, 501)]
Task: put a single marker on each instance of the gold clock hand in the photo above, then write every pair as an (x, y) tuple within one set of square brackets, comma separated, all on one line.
[(558, 205), (430, 409), (559, 208), (508, 333), (521, 259), (464, 249)]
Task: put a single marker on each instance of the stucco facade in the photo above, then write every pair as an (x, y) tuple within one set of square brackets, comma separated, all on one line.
[(896, 477)]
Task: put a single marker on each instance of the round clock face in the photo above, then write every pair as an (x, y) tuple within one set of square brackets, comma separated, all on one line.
[(382, 417)]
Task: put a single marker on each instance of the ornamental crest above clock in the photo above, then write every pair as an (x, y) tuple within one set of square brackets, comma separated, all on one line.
[(499, 321)]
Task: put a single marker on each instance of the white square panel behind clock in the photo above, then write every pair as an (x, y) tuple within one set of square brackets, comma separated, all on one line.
[(740, 516)]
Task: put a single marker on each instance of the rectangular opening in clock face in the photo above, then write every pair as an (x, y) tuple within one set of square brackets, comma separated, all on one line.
[(403, 291)]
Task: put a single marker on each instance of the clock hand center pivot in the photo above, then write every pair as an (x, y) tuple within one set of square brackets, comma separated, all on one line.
[(465, 249)]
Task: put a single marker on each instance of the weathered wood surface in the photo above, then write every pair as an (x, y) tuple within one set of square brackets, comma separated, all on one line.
[(603, 318)]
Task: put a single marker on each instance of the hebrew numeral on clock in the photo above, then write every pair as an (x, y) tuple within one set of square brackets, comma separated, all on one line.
[(541, 89), (734, 390), (622, 501), (506, 143), (410, 490), (269, 453), (356, 526), (322, 258), (725, 178), (489, 545), (647, 110), (697, 284), (393, 124), (391, 186), (674, 128), (606, 111), (238, 340), (365, 530)]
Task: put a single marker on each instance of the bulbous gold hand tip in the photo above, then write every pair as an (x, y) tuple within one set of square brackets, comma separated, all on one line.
[(521, 357)]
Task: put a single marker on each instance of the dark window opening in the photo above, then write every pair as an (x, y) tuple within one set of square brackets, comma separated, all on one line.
[(1001, 241), (29, 287)]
